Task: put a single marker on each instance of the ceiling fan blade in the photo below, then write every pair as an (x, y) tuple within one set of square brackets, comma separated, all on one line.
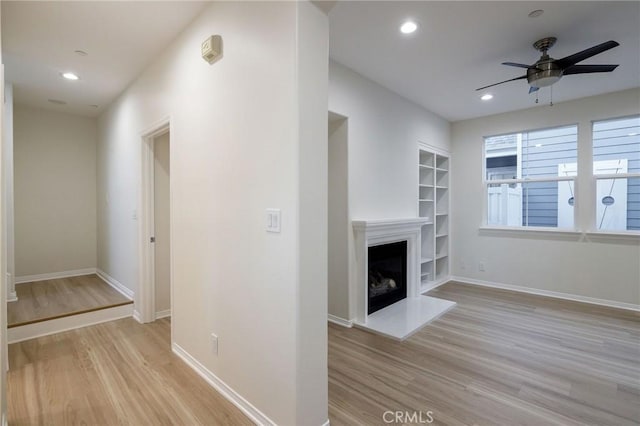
[(515, 64), (586, 69), (533, 89), (506, 81), (566, 62)]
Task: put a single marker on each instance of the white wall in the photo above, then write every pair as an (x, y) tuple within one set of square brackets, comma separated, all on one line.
[(339, 223), (383, 133), (3, 283), (7, 194), (55, 191), (244, 134), (602, 268)]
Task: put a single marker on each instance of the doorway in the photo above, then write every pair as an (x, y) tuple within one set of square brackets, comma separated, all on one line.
[(161, 220), (153, 300)]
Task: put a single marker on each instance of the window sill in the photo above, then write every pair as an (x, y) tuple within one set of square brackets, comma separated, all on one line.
[(614, 236), (530, 231)]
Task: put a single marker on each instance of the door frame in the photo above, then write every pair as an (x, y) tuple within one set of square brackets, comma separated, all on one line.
[(145, 298)]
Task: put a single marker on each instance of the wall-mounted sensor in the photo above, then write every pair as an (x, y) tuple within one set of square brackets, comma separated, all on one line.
[(212, 49)]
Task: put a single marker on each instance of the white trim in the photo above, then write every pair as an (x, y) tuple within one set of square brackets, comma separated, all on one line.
[(54, 275), (163, 314), (326, 423), (58, 325), (136, 316), (530, 230), (340, 321), (633, 236), (12, 296), (425, 288), (548, 293), (225, 390), (117, 285), (532, 180)]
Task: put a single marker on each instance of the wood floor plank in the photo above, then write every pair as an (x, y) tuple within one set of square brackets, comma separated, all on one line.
[(497, 358), (50, 299), (116, 373)]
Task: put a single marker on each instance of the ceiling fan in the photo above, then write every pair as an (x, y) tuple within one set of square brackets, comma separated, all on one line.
[(546, 71)]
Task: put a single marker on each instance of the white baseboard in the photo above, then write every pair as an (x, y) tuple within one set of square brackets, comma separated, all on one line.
[(340, 321), (58, 325), (235, 398), (326, 423), (163, 314), (54, 275), (12, 296), (117, 285), (434, 284), (137, 316), (548, 293)]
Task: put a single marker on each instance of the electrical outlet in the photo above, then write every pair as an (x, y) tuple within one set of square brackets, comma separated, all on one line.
[(214, 344), (481, 266)]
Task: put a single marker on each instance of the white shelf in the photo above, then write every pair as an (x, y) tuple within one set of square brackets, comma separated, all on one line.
[(433, 201)]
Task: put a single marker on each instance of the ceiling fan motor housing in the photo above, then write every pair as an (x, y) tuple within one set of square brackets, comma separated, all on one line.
[(544, 73)]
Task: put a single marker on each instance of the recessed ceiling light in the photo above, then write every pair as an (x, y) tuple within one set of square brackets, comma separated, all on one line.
[(633, 134), (486, 97), (536, 13), (80, 52), (538, 145), (70, 76), (408, 27), (57, 101)]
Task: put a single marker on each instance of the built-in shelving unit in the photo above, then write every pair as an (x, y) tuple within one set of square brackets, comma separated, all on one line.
[(433, 203)]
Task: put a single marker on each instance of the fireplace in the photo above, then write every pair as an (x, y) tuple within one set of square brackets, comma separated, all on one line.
[(387, 275), (387, 260)]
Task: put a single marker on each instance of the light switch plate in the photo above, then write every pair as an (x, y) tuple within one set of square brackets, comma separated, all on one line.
[(273, 220)]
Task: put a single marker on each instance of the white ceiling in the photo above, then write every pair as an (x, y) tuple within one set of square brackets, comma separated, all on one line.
[(121, 38), (459, 46)]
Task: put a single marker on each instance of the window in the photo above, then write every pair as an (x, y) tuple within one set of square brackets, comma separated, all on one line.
[(616, 168), (530, 178)]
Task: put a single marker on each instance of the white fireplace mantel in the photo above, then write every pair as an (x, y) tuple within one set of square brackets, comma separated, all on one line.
[(369, 233)]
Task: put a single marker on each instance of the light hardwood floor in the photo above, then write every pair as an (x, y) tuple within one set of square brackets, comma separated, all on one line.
[(50, 299), (497, 358), (116, 373)]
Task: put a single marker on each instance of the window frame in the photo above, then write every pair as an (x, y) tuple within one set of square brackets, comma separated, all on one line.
[(593, 228), (520, 181)]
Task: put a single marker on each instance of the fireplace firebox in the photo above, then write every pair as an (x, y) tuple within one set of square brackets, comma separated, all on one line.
[(387, 275)]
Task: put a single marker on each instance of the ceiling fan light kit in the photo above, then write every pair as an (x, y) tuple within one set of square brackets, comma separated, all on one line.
[(547, 70)]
